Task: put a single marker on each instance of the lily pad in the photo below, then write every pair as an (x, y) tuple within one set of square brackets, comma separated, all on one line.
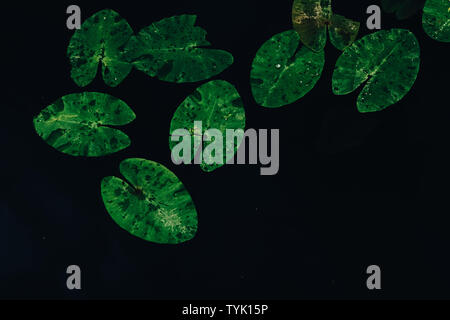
[(312, 18), (77, 124), (175, 50), (343, 31), (386, 61), (403, 9), (218, 105), (101, 39), (281, 74), (436, 19), (150, 202)]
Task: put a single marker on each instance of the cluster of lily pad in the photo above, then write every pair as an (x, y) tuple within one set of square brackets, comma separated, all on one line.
[(386, 62), (150, 202)]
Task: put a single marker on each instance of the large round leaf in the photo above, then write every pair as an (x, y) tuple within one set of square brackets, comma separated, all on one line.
[(76, 124), (150, 203), (388, 60), (311, 19), (280, 74), (100, 40), (173, 50), (218, 105), (436, 19)]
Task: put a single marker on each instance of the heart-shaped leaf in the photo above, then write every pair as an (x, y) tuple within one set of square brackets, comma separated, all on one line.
[(436, 19), (281, 74), (388, 60), (100, 40), (218, 105), (173, 50), (311, 19), (150, 203), (76, 124)]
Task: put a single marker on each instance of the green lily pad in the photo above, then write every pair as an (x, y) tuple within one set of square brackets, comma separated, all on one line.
[(77, 124), (387, 61), (100, 40), (312, 18), (436, 19), (403, 9), (151, 203), (174, 50), (281, 74), (218, 105)]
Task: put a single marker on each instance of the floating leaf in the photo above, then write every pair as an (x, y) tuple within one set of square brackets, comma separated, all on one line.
[(100, 40), (76, 124), (217, 105), (311, 19), (436, 19), (403, 9), (343, 31), (173, 50), (280, 74), (150, 203), (388, 60)]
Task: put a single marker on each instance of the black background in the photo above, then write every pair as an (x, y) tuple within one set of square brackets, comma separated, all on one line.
[(353, 189)]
